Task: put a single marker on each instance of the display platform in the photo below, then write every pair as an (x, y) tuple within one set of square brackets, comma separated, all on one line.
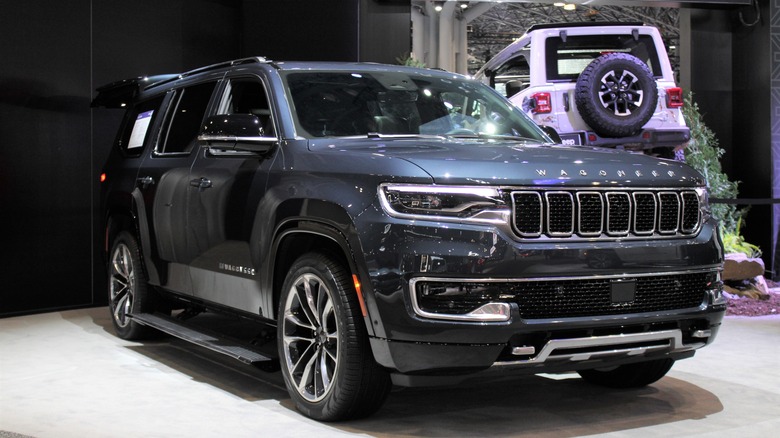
[(64, 374)]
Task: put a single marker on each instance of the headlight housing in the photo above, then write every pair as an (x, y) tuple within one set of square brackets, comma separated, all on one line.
[(444, 203)]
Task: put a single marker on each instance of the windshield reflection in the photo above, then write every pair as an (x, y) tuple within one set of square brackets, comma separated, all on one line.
[(348, 104)]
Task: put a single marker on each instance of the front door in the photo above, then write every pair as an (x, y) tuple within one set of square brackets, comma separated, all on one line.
[(224, 191)]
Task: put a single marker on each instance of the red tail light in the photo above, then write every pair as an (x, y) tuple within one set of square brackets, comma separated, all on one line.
[(543, 103), (674, 97)]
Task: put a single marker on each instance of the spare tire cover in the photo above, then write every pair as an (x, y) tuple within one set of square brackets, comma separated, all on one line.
[(616, 95)]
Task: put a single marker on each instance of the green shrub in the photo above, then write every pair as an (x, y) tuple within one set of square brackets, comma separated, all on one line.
[(703, 154)]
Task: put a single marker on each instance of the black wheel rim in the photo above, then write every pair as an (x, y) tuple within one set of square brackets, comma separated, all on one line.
[(621, 92)]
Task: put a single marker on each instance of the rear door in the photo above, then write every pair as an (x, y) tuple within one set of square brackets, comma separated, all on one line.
[(162, 182)]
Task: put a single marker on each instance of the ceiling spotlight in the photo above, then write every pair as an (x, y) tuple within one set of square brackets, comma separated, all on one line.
[(569, 7), (464, 5), (438, 7)]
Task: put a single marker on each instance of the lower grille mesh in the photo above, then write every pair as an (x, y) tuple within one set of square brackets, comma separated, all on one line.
[(565, 298)]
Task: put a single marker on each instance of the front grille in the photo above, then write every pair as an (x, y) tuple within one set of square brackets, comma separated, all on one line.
[(606, 213), (569, 298)]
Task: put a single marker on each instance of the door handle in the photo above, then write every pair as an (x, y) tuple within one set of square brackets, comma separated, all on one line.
[(201, 183), (145, 181)]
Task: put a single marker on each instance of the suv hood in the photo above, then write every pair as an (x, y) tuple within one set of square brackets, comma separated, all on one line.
[(518, 163)]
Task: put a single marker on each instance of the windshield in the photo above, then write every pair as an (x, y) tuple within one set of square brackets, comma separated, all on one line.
[(348, 104)]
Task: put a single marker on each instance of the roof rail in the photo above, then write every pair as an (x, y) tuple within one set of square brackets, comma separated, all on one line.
[(252, 60), (119, 94)]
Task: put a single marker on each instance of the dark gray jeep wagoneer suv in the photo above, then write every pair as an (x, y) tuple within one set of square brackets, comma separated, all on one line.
[(390, 225)]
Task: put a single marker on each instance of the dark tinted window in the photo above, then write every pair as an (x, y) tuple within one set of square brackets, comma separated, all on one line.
[(335, 104), (566, 60), (137, 125), (184, 118)]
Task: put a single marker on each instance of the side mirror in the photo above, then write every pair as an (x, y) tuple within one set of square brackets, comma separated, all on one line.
[(240, 132)]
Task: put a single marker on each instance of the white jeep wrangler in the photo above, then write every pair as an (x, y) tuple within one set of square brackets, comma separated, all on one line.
[(599, 84)]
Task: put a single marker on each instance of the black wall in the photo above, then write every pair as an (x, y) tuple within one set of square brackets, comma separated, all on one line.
[(52, 145), (730, 66)]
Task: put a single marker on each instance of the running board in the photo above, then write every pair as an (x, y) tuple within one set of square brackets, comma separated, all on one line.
[(203, 337)]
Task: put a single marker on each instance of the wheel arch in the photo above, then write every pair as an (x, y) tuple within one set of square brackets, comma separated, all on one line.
[(297, 235)]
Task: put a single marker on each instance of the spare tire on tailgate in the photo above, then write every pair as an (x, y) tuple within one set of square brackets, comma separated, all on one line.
[(616, 95)]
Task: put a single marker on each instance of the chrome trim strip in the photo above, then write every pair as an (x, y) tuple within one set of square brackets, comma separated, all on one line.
[(472, 317), (501, 311), (711, 268)]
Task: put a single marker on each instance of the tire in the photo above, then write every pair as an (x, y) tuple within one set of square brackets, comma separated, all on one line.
[(634, 375), (324, 351), (128, 288), (616, 95)]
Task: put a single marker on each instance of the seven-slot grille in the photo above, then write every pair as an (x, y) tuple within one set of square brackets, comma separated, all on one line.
[(606, 213)]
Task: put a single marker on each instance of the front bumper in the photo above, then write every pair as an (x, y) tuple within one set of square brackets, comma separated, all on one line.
[(420, 346), (425, 364)]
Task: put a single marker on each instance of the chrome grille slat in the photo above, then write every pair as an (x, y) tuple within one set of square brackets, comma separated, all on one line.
[(590, 207), (560, 214), (605, 213), (618, 213)]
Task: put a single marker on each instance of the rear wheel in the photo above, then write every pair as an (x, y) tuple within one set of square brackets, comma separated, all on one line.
[(634, 375), (324, 351), (128, 291)]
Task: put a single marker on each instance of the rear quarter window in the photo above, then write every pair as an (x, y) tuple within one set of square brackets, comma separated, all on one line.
[(137, 126)]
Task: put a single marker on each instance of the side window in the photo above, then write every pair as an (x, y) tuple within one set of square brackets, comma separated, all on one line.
[(248, 96), (136, 126), (513, 77), (184, 117)]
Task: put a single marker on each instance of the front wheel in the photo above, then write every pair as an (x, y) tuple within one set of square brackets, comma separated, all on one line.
[(324, 350), (634, 375)]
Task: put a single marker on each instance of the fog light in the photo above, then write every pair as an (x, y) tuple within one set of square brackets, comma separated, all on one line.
[(491, 312)]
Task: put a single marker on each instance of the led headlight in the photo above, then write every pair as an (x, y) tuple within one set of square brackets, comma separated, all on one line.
[(454, 203)]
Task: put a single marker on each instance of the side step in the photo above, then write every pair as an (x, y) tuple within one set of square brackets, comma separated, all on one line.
[(203, 337)]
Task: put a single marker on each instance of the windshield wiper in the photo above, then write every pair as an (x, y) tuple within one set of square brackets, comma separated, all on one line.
[(380, 135), (483, 136)]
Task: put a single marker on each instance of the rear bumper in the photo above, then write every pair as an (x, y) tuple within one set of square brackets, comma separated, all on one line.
[(647, 139)]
